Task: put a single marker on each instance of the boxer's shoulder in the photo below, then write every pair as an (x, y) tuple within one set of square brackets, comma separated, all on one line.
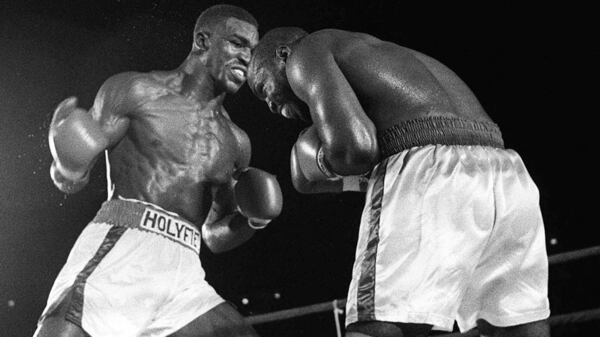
[(334, 40), (319, 41), (127, 90), (151, 85), (134, 90), (124, 80), (141, 85)]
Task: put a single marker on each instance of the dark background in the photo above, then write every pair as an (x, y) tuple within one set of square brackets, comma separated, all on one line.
[(533, 70)]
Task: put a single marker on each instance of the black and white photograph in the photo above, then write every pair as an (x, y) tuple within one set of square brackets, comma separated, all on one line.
[(298, 168)]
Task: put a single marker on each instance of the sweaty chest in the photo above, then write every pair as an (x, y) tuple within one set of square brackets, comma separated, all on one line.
[(198, 140)]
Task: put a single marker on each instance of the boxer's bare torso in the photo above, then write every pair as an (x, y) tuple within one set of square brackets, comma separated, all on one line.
[(392, 83), (171, 143), (353, 88), (175, 150)]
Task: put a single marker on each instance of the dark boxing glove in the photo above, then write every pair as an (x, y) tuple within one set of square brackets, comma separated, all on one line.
[(258, 196)]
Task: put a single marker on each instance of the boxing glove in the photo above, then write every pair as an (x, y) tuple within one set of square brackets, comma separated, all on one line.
[(308, 155), (75, 139), (258, 196)]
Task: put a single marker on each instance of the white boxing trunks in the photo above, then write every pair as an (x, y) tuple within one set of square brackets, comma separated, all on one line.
[(134, 271), (450, 232)]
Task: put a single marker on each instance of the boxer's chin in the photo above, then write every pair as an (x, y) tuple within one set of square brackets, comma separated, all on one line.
[(232, 87)]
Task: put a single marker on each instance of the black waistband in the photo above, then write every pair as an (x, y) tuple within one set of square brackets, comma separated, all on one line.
[(438, 130)]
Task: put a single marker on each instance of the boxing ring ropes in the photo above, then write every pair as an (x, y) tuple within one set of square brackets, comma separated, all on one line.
[(337, 306)]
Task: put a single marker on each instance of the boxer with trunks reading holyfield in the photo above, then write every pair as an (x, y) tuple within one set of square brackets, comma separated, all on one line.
[(176, 159)]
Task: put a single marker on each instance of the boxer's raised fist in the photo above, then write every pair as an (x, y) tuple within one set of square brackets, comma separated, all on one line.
[(75, 139)]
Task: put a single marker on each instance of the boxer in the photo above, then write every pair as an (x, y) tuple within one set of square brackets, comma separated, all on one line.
[(179, 176), (451, 228)]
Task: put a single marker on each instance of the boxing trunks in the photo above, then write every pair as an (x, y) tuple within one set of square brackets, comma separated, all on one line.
[(134, 271), (451, 230)]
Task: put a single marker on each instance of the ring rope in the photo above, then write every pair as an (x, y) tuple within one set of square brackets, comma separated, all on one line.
[(339, 304), (573, 255), (297, 312), (336, 316), (575, 317)]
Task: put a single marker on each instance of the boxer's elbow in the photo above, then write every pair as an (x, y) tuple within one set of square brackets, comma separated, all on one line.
[(223, 236), (354, 158), (220, 246), (215, 247), (213, 242)]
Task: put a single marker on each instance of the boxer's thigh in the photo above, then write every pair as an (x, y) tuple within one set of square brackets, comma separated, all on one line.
[(222, 320), (56, 324)]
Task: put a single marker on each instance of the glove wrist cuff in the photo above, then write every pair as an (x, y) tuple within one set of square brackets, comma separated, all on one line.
[(354, 183), (324, 165), (257, 224), (72, 176)]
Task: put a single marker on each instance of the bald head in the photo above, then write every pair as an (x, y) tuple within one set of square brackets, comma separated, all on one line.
[(266, 50), (267, 72)]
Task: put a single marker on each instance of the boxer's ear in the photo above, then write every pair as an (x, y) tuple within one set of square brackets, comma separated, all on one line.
[(202, 41), (282, 52)]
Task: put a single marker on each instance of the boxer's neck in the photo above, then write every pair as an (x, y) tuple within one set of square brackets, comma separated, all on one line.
[(197, 84)]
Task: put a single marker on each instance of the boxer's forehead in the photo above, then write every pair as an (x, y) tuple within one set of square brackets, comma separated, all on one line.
[(241, 29)]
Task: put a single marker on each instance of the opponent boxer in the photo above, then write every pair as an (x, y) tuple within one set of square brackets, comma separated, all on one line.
[(180, 171), (452, 228)]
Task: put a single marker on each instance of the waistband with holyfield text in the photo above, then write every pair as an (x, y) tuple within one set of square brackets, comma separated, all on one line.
[(150, 218)]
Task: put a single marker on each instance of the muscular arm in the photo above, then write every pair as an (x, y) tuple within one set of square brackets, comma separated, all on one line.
[(225, 228), (109, 117), (348, 135)]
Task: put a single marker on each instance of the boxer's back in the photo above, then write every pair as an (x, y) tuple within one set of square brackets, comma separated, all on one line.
[(394, 83), (176, 148)]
